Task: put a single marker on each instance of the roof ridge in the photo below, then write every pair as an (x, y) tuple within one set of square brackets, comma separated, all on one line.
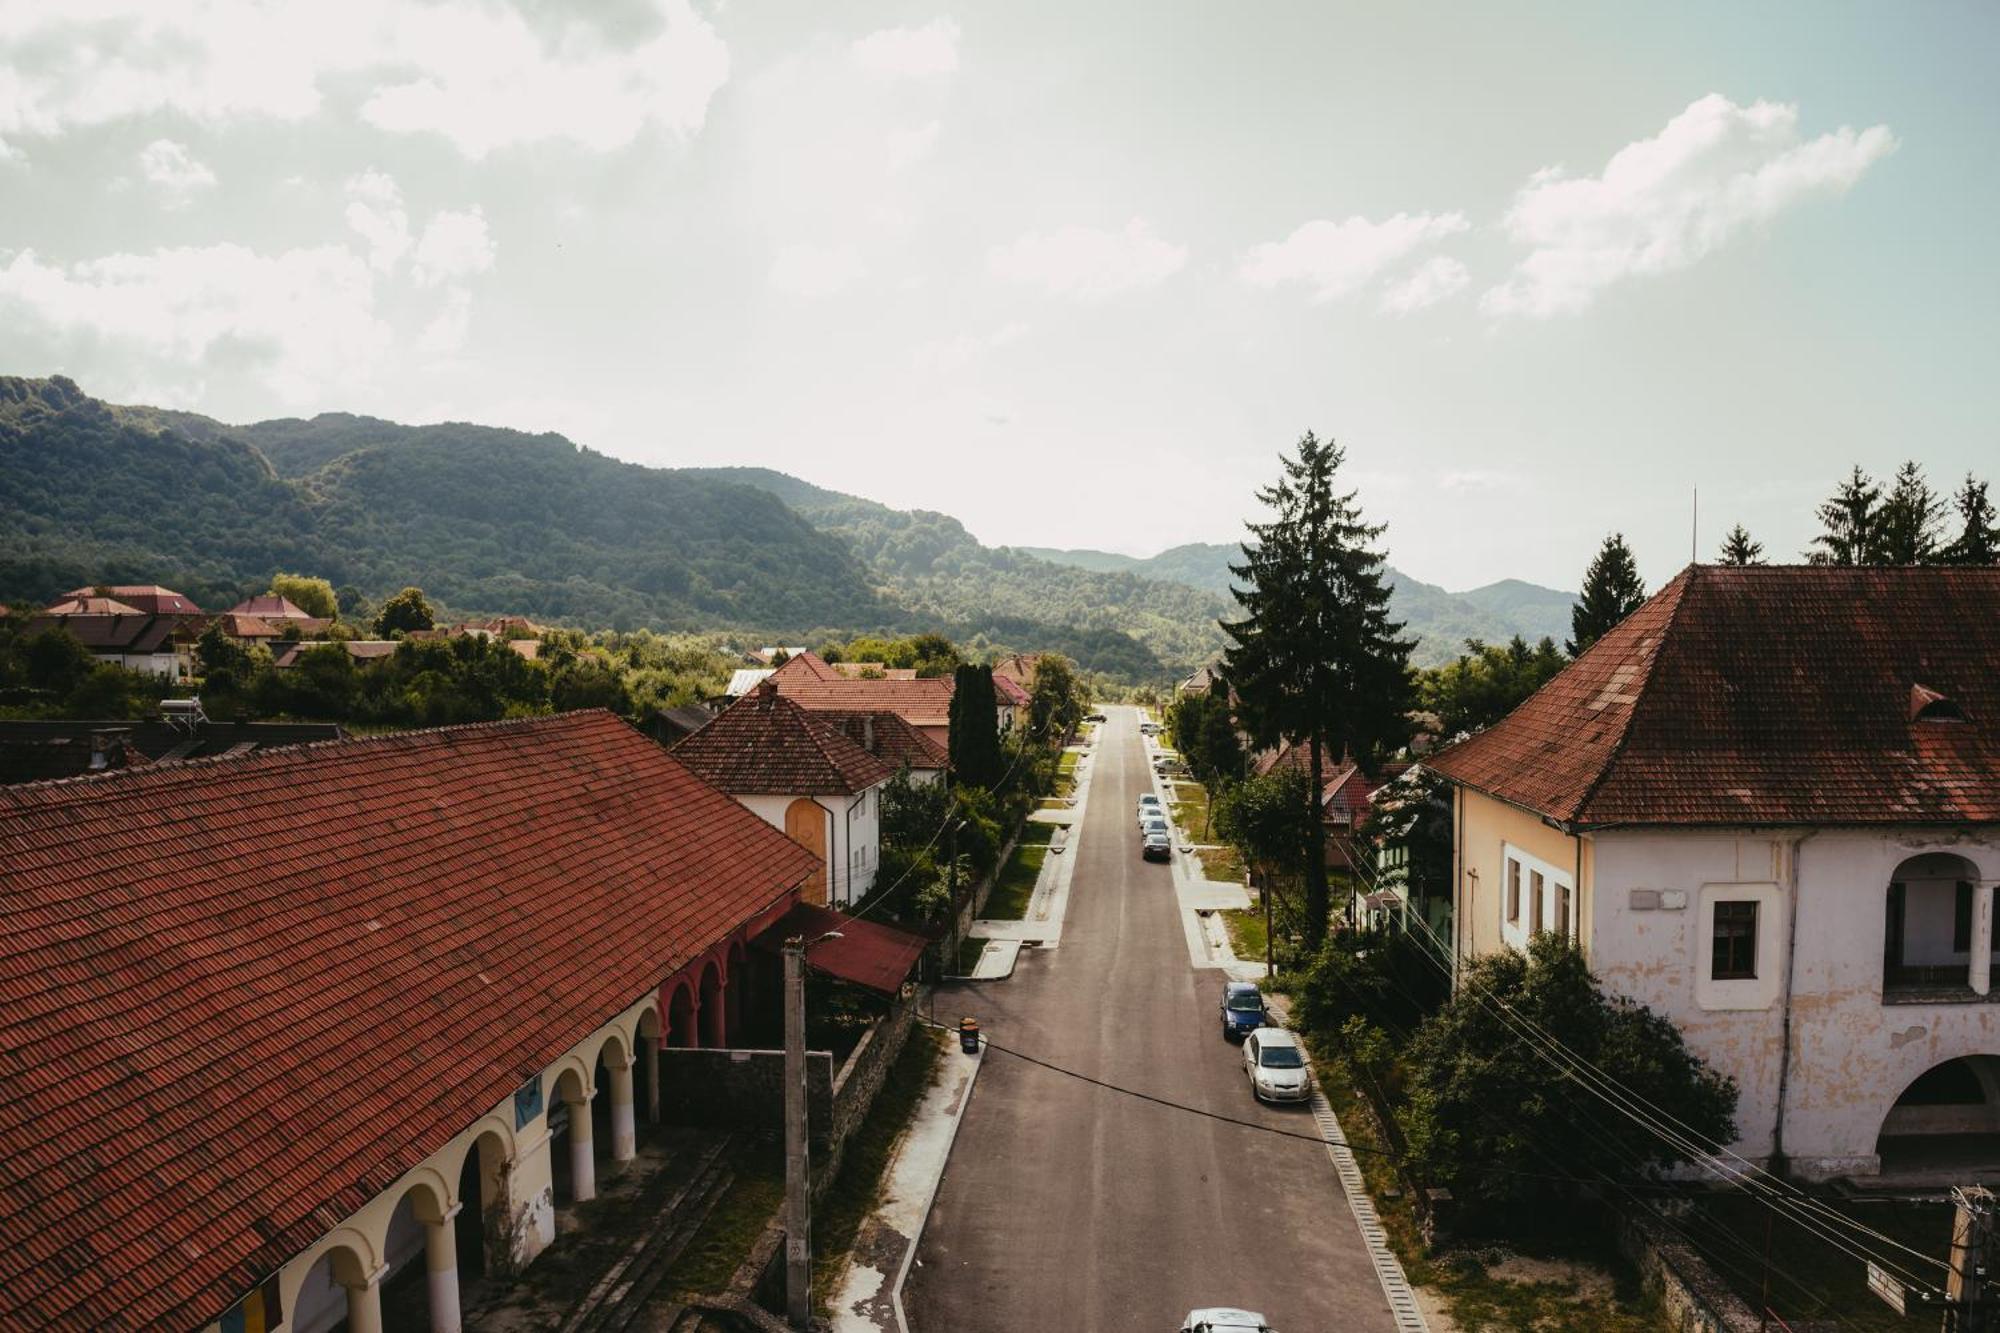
[(1686, 579)]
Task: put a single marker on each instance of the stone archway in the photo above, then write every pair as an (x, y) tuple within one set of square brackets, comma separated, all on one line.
[(714, 1008), (1945, 1122), (342, 1288), (681, 1033)]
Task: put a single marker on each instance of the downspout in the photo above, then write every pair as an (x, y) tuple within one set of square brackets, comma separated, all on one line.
[(849, 821), (1778, 1164)]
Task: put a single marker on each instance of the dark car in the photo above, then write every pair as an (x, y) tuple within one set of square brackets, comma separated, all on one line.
[(1156, 846), (1242, 1009)]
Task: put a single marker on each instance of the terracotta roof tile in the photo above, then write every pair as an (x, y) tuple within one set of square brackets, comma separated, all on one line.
[(1767, 695), (886, 734), (764, 744), (239, 997), (810, 682)]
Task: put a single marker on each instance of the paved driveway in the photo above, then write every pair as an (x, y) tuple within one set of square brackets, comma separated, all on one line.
[(1068, 1207)]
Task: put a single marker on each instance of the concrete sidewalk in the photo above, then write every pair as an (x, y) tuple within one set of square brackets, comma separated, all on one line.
[(870, 1295)]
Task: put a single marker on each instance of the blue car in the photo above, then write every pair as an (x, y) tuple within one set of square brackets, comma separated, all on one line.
[(1242, 1010)]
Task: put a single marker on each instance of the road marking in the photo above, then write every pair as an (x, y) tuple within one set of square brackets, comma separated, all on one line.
[(1403, 1306)]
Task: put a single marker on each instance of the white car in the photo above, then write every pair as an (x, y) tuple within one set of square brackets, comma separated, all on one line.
[(1276, 1065), (1155, 823), (1224, 1319)]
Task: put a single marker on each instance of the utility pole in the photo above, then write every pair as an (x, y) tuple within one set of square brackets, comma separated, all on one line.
[(1270, 948), (1971, 1307), (798, 1164)]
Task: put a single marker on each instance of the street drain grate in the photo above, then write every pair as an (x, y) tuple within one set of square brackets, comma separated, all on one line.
[(1395, 1284)]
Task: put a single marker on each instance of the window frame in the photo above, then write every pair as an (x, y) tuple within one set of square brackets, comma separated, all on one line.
[(1731, 937), (1513, 891)]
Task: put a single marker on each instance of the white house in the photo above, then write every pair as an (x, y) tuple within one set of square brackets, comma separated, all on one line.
[(801, 772), (1767, 805)]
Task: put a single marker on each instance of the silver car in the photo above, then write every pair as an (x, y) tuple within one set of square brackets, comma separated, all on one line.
[(1224, 1319), (1276, 1065)]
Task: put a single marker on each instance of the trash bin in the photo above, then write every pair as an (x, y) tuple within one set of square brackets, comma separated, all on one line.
[(968, 1035)]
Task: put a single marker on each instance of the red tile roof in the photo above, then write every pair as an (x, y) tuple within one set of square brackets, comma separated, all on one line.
[(239, 997), (148, 597), (810, 682), (272, 607), (888, 735), (1766, 695), (1008, 691), (92, 605), (134, 632), (866, 953), (764, 744)]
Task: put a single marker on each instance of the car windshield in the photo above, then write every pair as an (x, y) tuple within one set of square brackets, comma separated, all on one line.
[(1250, 1004), (1280, 1057)]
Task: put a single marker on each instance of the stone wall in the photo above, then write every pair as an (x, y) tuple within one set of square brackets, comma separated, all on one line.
[(860, 1079), (1693, 1299), (743, 1091)]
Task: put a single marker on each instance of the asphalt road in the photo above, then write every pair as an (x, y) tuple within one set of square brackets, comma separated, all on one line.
[(1068, 1207)]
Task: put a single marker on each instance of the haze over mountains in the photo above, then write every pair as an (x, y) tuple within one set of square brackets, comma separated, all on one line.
[(493, 521)]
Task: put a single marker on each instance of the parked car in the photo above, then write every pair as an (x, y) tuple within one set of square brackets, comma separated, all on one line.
[(1093, 717), (1157, 846), (1242, 1009), (1149, 799), (1156, 824), (1224, 1319), (1276, 1066)]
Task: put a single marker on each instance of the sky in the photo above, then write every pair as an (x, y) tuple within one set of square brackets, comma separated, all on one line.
[(1075, 274)]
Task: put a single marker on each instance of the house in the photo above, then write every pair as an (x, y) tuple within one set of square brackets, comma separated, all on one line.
[(745, 679), (887, 736), (1202, 680), (281, 614), (284, 1026), (1012, 700), (35, 751), (670, 725), (1346, 799), (149, 598), (1767, 805), (799, 772), (141, 627), (1019, 668)]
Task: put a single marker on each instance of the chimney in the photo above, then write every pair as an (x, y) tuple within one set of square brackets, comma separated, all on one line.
[(868, 733), (765, 692)]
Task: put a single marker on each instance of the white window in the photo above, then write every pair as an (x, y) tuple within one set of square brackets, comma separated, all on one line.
[(1550, 893)]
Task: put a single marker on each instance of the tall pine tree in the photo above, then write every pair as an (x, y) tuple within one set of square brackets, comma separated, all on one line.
[(1738, 548), (1978, 540), (1316, 660), (1612, 590), (1907, 530), (974, 742), (1850, 522)]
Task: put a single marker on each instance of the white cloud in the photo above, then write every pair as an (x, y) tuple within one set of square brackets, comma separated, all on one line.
[(1437, 279), (1089, 263), (455, 244), (375, 212), (947, 355), (814, 270), (1336, 259), (480, 74), (1664, 203), (173, 169), (445, 334), (302, 319), (928, 52), (11, 156), (906, 148)]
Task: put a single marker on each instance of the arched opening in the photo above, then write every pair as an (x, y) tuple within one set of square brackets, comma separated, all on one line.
[(482, 1214), (1929, 925), (680, 1019), (572, 1142), (331, 1291), (646, 1092), (1947, 1121), (714, 1011), (806, 824)]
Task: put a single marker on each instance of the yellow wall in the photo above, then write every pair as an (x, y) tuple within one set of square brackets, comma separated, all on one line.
[(1483, 826)]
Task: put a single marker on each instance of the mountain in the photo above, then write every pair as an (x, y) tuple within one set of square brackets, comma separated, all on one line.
[(928, 563), (1441, 621), (492, 521)]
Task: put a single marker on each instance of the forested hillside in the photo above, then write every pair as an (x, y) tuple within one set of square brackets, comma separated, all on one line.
[(930, 564), (1440, 621)]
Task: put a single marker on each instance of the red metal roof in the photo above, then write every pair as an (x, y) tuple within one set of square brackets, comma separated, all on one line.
[(867, 953), (148, 597), (239, 997), (1766, 695), (764, 744)]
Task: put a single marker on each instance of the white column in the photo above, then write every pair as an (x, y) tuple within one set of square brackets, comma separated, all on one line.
[(364, 1308), (582, 1166), (652, 1049), (624, 1131), (1982, 937), (441, 1271)]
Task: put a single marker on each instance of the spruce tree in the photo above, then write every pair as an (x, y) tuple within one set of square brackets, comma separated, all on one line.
[(1978, 541), (974, 743), (1850, 520), (1738, 548), (1907, 532), (1612, 590), (1316, 660)]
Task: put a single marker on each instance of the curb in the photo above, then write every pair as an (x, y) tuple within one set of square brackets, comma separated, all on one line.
[(930, 1197)]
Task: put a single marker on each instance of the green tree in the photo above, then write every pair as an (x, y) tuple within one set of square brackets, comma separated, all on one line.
[(1739, 549), (1488, 1047), (1850, 523), (1487, 682), (1612, 590), (1316, 660), (54, 660), (314, 596), (406, 611), (1978, 540), (974, 738), (1055, 703), (589, 683), (1274, 821), (1907, 533)]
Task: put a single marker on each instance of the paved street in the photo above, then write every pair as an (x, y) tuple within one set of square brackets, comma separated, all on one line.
[(1066, 1206)]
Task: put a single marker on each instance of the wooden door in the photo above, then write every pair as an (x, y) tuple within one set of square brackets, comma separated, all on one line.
[(805, 824)]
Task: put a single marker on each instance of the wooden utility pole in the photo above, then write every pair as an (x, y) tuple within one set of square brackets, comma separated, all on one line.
[(798, 1164), (1971, 1307)]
